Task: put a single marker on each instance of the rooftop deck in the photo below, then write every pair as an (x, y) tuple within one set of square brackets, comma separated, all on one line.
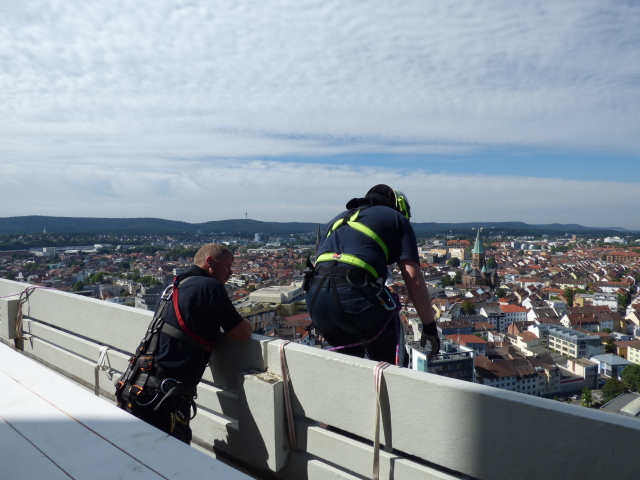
[(52, 428), (432, 427)]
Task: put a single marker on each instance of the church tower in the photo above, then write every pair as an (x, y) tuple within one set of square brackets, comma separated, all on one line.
[(477, 258)]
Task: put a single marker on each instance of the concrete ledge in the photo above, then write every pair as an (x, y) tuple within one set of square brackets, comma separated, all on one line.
[(450, 425)]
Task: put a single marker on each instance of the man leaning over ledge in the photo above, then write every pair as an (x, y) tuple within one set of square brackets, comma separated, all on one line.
[(347, 298), (159, 386)]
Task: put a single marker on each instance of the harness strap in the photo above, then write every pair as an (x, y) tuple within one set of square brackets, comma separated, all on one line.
[(334, 290), (351, 221), (362, 228), (315, 295), (287, 396), (135, 378), (156, 326), (208, 344), (145, 349), (348, 259), (130, 395), (377, 374), (181, 336)]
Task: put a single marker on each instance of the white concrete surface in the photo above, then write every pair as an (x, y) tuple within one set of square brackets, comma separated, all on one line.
[(54, 429), (440, 427)]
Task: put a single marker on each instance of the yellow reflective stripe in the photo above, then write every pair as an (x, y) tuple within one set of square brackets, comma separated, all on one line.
[(362, 228), (349, 259), (339, 223), (334, 226)]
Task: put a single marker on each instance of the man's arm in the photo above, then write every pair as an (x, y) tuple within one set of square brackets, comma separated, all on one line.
[(242, 331), (419, 294), (417, 287)]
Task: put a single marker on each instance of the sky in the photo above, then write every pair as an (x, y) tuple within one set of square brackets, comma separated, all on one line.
[(284, 110)]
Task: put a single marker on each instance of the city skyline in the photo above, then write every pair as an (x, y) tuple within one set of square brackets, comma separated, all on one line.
[(201, 111)]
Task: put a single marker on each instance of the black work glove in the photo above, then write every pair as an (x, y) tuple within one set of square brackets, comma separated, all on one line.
[(430, 333)]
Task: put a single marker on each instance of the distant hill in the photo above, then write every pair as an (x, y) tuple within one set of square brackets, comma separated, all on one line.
[(132, 226), (38, 224), (516, 228)]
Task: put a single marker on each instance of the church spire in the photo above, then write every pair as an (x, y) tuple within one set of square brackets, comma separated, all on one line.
[(478, 247), (477, 257)]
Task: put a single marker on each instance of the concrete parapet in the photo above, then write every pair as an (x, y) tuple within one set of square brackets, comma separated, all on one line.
[(432, 427)]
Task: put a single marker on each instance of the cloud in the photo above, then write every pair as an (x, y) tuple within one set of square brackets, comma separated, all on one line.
[(200, 191), (459, 73), (163, 109)]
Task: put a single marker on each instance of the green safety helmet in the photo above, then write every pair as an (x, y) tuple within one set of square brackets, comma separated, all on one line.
[(385, 195)]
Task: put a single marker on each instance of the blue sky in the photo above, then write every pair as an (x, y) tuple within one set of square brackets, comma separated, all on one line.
[(205, 110)]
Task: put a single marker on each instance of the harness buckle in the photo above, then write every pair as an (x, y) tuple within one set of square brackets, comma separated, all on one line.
[(139, 389), (146, 364)]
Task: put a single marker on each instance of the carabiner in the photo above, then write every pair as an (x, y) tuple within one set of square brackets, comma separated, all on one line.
[(166, 294), (162, 386), (389, 303)]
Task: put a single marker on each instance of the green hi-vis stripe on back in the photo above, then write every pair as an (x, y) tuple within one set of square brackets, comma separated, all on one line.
[(348, 259), (362, 228)]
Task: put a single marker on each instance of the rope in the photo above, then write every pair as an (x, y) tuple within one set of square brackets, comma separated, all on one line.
[(9, 296), (103, 364), (377, 374), (24, 298), (287, 396), (32, 286), (398, 343), (399, 331)]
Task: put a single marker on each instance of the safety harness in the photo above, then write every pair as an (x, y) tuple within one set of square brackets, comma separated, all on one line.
[(365, 275), (143, 383), (351, 221)]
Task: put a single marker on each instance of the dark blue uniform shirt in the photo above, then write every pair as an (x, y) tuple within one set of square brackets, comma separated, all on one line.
[(390, 225), (205, 308)]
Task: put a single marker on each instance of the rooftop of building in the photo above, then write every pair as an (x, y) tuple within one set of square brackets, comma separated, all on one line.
[(627, 404)]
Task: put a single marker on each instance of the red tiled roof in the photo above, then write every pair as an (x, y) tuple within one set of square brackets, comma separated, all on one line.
[(466, 339), (512, 308)]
